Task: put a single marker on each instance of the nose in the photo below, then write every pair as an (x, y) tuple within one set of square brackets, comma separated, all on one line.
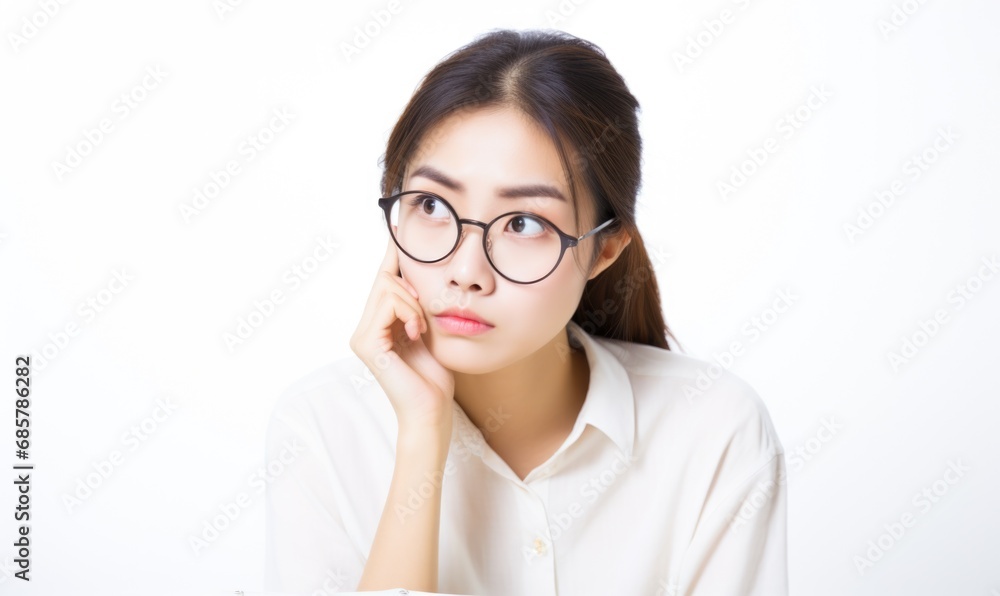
[(468, 266), (466, 224), (475, 243)]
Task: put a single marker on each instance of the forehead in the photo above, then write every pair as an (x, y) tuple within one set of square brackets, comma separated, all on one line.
[(489, 148)]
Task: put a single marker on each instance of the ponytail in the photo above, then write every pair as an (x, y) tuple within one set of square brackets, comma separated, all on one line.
[(623, 302)]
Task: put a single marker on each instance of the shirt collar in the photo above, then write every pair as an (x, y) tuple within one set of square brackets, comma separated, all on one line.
[(609, 405)]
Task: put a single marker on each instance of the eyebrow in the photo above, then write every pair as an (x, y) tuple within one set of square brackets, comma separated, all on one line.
[(508, 192)]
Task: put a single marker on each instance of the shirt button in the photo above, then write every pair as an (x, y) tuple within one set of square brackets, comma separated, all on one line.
[(539, 546)]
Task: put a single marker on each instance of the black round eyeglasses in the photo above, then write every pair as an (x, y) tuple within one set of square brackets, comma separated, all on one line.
[(525, 249)]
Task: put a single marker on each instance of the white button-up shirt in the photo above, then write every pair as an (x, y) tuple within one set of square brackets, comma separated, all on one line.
[(672, 482)]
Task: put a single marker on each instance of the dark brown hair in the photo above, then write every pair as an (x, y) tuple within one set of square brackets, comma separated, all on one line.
[(568, 86)]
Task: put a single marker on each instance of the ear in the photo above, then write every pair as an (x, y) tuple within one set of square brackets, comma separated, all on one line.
[(611, 248)]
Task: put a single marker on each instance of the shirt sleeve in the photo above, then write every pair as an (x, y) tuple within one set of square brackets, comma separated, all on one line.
[(741, 546), (307, 547)]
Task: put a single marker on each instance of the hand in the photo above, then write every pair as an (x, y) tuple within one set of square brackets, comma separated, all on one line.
[(388, 340)]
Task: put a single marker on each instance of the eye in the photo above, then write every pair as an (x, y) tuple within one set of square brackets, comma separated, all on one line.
[(526, 226), (429, 206)]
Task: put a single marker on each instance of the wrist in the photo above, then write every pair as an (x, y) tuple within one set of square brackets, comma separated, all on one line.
[(429, 442)]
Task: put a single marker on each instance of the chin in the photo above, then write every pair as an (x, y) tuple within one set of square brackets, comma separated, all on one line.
[(463, 358)]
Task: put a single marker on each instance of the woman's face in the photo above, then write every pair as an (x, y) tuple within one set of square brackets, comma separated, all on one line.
[(483, 152)]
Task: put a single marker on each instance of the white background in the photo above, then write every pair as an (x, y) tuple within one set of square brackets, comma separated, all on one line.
[(721, 260)]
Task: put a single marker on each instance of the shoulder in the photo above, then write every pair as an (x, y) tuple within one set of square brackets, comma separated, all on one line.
[(705, 431), (697, 399)]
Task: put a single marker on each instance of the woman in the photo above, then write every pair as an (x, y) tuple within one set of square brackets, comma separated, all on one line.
[(528, 430)]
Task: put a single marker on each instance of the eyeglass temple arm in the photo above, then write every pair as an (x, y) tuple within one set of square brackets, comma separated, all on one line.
[(597, 229)]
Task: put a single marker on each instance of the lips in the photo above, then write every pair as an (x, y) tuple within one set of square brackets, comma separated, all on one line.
[(464, 314)]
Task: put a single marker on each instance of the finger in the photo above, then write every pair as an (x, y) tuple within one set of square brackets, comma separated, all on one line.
[(385, 287), (416, 325), (390, 263), (419, 325), (400, 308), (409, 287), (410, 307)]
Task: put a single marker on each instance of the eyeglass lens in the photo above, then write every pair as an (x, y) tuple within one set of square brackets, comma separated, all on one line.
[(521, 247)]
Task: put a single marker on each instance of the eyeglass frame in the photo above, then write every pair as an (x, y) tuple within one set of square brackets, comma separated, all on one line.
[(566, 241)]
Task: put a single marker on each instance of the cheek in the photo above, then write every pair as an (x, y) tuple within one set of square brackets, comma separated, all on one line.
[(423, 282), (553, 298), (568, 279), (410, 271)]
